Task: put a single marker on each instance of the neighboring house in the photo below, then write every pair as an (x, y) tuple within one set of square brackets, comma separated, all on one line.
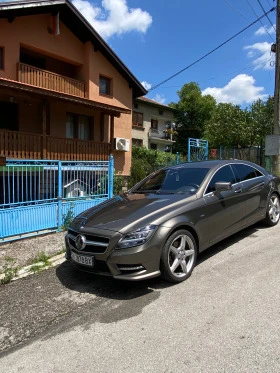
[(152, 124), (64, 94)]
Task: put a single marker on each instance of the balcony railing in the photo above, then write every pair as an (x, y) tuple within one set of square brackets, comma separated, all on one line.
[(159, 134), (45, 79), (35, 146)]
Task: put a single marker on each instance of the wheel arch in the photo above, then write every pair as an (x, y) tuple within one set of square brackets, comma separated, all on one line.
[(188, 228)]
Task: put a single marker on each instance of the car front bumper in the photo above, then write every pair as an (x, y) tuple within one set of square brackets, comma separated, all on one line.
[(132, 264)]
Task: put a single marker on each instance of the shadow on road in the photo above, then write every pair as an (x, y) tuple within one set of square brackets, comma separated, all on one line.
[(108, 287)]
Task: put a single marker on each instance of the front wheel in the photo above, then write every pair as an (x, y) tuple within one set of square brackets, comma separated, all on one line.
[(273, 210), (178, 256)]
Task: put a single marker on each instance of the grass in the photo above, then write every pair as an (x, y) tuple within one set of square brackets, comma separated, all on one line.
[(10, 270), (40, 262)]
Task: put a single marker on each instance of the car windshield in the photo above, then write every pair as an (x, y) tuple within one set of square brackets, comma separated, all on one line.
[(173, 180)]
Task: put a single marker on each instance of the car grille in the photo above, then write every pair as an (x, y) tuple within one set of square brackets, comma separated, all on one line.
[(94, 244)]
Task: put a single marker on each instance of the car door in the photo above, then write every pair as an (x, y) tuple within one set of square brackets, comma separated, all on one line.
[(225, 210), (255, 190)]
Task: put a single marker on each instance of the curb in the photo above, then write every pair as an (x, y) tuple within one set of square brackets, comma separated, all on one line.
[(27, 270)]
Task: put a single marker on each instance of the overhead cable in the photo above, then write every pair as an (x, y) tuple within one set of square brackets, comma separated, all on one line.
[(266, 15), (260, 21), (236, 10), (212, 51)]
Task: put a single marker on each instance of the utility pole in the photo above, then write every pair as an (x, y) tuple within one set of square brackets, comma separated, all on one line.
[(272, 142)]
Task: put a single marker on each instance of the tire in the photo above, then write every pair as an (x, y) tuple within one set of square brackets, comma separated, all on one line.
[(272, 210), (178, 256)]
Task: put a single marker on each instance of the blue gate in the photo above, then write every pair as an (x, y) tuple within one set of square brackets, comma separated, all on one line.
[(197, 150), (37, 197)]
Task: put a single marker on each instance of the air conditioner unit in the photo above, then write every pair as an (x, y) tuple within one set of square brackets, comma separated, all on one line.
[(122, 144)]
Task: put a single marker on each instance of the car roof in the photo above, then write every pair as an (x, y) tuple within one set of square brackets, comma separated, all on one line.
[(212, 164)]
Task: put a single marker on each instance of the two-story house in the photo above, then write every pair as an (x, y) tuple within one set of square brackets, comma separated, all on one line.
[(64, 94), (152, 124)]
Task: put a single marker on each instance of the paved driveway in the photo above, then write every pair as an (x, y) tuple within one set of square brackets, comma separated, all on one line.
[(225, 318)]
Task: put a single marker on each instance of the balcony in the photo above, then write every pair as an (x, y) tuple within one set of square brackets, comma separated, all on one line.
[(158, 135), (21, 145), (45, 79)]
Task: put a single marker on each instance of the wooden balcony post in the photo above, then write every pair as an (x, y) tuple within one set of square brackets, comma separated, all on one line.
[(112, 131), (44, 129)]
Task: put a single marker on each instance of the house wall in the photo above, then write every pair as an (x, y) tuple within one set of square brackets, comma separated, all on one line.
[(151, 112), (33, 32)]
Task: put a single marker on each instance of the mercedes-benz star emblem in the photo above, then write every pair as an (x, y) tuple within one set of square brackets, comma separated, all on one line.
[(80, 242)]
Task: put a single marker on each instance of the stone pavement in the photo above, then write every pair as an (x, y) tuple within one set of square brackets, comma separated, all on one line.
[(27, 249)]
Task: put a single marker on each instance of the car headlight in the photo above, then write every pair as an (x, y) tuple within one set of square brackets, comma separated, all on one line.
[(136, 238)]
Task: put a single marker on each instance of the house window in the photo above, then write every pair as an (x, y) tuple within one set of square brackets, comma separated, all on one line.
[(137, 142), (105, 86), (160, 112), (154, 124), (78, 126), (135, 106), (137, 119), (153, 146), (1, 58)]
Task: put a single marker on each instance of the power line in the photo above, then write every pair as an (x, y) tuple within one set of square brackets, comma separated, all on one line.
[(212, 51), (236, 10), (260, 20), (266, 15), (228, 74)]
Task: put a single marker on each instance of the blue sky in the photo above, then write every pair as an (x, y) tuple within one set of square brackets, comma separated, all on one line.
[(157, 38)]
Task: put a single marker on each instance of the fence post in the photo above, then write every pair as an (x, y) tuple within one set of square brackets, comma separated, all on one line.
[(221, 151), (111, 177), (206, 151), (177, 158), (59, 197), (189, 150)]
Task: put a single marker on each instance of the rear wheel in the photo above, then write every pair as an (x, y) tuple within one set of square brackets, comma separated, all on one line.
[(273, 210), (178, 256)]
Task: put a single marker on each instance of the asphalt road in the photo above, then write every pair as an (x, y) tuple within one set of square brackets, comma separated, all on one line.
[(224, 318)]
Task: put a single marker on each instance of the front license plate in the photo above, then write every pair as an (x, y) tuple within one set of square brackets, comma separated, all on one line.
[(82, 259)]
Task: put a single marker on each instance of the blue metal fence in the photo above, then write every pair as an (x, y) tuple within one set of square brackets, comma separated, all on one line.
[(38, 196), (197, 150)]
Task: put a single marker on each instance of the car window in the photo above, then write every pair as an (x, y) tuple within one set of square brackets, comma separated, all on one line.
[(174, 180), (223, 174), (245, 172)]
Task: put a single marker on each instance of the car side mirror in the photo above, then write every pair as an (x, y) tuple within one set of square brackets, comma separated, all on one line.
[(222, 185)]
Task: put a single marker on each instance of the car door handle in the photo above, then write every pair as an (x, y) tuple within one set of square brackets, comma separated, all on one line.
[(238, 190)]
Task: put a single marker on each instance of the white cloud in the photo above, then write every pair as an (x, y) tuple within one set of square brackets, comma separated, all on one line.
[(265, 30), (160, 99), (146, 85), (262, 60), (239, 90), (114, 18)]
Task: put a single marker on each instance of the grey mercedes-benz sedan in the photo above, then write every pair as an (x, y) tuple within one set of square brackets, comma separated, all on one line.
[(162, 224)]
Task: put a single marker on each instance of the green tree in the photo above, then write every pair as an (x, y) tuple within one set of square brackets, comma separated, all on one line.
[(193, 111), (232, 126), (227, 126), (261, 120)]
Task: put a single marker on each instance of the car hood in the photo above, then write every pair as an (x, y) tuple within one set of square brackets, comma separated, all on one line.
[(128, 212)]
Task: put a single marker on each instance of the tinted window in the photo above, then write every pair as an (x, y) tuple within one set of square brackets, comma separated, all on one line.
[(245, 172), (223, 174), (174, 180)]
